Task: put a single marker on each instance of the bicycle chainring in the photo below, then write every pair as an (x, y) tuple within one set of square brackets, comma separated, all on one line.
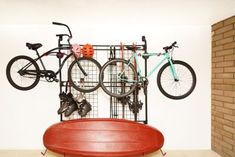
[(50, 76)]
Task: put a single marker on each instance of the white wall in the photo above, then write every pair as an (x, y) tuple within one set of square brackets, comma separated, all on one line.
[(185, 124)]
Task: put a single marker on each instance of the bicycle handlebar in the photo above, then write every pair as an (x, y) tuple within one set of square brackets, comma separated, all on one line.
[(170, 47), (61, 24)]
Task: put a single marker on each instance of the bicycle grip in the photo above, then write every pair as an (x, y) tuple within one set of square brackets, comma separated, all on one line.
[(174, 43), (143, 38), (57, 23)]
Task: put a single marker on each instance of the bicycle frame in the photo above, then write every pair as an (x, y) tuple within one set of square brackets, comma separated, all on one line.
[(52, 51), (166, 56)]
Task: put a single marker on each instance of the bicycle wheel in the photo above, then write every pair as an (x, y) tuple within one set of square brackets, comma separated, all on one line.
[(81, 82), (22, 72), (118, 78), (176, 89)]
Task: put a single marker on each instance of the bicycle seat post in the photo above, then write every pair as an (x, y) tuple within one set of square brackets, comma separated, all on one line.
[(40, 59)]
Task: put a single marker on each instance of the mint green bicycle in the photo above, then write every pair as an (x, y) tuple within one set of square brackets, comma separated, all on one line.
[(176, 79)]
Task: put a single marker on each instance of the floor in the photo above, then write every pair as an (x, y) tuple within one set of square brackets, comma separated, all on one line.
[(170, 153)]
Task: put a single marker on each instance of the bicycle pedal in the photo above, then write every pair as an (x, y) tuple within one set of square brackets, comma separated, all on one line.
[(56, 80)]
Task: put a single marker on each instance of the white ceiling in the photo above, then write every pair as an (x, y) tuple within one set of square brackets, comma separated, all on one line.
[(161, 12)]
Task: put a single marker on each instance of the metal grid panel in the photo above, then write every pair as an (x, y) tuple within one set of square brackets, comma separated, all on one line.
[(117, 108)]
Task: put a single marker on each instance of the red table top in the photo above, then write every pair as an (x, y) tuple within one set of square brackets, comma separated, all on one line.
[(102, 137)]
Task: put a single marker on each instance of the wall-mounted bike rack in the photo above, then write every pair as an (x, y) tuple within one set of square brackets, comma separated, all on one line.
[(133, 107)]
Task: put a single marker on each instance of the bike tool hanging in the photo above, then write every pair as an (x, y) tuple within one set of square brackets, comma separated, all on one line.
[(135, 105), (113, 82), (84, 106), (123, 100)]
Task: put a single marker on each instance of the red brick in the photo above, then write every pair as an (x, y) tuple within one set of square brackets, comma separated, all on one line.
[(229, 81), (213, 55), (217, 81), (229, 45), (224, 52), (217, 37), (224, 121), (230, 93), (224, 41), (217, 103), (217, 92), (224, 110), (229, 69), (229, 21), (223, 98), (213, 65), (217, 26), (229, 152), (217, 59), (216, 135), (227, 34), (213, 44), (224, 29), (217, 70), (217, 48), (223, 87), (229, 105), (224, 75), (229, 129), (224, 64), (213, 76), (229, 57), (217, 148), (226, 145), (229, 117), (218, 114), (229, 140)]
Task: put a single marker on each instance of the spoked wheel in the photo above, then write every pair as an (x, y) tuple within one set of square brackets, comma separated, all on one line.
[(176, 89), (114, 74), (22, 73), (77, 78)]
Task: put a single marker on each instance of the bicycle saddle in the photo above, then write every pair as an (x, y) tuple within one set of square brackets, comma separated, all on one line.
[(34, 46), (133, 48)]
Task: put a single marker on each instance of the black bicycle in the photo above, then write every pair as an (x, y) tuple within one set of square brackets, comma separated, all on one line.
[(24, 73)]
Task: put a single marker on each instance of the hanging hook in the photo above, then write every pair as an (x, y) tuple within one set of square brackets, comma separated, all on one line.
[(44, 153), (163, 153)]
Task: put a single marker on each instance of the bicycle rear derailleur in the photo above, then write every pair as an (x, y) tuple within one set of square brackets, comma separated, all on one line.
[(144, 84), (134, 106)]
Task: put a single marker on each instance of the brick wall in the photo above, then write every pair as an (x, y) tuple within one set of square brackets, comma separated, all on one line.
[(223, 87)]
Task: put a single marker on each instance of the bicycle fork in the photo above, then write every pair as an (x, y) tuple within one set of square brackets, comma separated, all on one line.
[(80, 67), (173, 70)]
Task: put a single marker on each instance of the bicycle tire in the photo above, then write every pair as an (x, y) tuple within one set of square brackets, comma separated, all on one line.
[(11, 70), (179, 67), (91, 67), (110, 87)]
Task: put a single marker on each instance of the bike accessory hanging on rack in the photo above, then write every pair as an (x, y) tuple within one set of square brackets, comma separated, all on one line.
[(84, 108), (83, 105), (88, 51), (76, 49), (69, 105)]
